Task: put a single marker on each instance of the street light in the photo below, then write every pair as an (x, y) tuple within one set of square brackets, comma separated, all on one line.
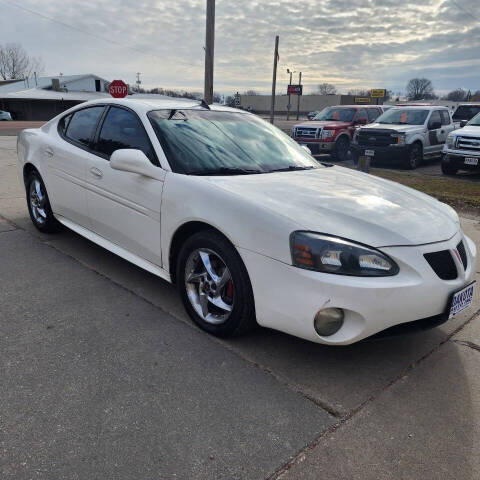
[(291, 72)]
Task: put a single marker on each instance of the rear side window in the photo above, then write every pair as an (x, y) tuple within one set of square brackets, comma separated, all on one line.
[(373, 114), (82, 125), (434, 118), (63, 123), (123, 129), (445, 117), (362, 113)]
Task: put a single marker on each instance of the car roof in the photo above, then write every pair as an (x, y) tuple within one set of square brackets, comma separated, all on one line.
[(420, 106), (353, 106), (149, 104)]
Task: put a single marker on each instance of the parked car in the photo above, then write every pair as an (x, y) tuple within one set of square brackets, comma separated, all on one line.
[(312, 115), (332, 129), (248, 225), (5, 116), (465, 112), (462, 148), (405, 134)]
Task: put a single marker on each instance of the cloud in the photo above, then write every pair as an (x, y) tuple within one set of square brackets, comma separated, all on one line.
[(353, 44)]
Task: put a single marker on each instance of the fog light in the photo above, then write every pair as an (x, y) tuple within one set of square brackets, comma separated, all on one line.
[(328, 321)]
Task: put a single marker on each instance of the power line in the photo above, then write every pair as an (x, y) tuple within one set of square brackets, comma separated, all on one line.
[(84, 32)]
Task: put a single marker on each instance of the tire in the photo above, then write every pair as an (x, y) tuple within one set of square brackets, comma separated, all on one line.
[(340, 150), (39, 204), (415, 156), (199, 290), (448, 168)]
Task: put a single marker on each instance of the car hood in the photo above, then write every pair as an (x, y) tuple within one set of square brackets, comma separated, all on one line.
[(324, 123), (348, 204), (469, 130), (395, 126)]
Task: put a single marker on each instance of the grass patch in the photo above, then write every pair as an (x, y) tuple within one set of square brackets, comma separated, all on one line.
[(460, 194)]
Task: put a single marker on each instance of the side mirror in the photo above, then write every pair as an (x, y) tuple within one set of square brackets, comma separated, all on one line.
[(361, 121), (463, 123), (134, 161), (434, 125)]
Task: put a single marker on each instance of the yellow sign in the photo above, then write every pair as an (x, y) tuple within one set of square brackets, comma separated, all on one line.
[(362, 99), (377, 93)]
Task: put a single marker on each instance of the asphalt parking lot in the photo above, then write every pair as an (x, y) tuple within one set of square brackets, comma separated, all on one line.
[(104, 376)]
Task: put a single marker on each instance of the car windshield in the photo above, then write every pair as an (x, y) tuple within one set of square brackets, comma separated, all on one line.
[(475, 121), (404, 116), (206, 142), (466, 112), (338, 114)]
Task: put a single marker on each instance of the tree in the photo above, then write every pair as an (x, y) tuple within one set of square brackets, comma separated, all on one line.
[(476, 96), (15, 63), (251, 92), (326, 89), (420, 89), (359, 92), (457, 95)]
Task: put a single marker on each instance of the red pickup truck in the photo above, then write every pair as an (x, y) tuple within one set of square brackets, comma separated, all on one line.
[(332, 129)]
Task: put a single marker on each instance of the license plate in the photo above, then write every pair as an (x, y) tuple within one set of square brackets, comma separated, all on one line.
[(471, 161), (461, 300), (369, 153)]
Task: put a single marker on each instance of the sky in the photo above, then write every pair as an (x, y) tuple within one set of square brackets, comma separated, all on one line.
[(349, 43)]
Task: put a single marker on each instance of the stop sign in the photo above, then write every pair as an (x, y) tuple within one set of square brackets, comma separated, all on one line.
[(118, 89)]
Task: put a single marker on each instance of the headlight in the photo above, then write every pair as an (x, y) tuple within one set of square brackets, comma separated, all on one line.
[(450, 141), (327, 133), (400, 138), (323, 253)]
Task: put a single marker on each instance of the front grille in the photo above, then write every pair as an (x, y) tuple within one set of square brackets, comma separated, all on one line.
[(468, 143), (375, 138), (306, 132), (442, 264), (463, 254)]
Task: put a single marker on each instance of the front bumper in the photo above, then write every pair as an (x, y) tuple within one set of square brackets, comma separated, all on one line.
[(387, 154), (457, 159), (316, 145), (287, 298)]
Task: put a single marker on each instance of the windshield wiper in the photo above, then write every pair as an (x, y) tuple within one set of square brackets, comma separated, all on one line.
[(292, 168), (225, 171)]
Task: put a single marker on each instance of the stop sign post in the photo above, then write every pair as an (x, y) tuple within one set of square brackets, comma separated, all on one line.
[(118, 89)]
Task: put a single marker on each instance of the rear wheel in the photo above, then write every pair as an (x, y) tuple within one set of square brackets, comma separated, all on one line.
[(214, 285), (39, 205), (340, 150), (415, 156)]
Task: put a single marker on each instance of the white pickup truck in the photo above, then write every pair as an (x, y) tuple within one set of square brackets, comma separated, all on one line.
[(462, 148), (406, 134)]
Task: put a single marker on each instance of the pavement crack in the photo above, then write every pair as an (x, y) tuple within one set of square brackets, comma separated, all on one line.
[(466, 343)]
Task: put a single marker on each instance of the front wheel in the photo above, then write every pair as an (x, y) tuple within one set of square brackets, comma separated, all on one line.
[(39, 205), (415, 156), (448, 168), (340, 150), (214, 285)]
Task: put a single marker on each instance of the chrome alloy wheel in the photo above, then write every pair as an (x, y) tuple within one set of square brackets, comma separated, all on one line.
[(209, 286), (37, 201)]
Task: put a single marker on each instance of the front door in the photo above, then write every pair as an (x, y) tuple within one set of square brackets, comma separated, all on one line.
[(124, 207)]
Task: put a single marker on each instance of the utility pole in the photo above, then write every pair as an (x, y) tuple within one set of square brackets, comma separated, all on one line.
[(298, 97), (289, 97), (274, 80), (209, 51), (35, 75), (138, 82)]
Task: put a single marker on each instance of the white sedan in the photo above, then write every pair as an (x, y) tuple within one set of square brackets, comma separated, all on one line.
[(247, 224)]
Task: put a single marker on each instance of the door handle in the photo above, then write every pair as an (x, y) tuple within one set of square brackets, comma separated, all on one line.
[(96, 172), (49, 152)]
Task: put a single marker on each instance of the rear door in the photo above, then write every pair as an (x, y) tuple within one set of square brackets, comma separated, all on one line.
[(124, 207), (66, 157), (435, 134)]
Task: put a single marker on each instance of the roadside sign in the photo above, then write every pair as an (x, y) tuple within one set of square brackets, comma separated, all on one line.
[(362, 100), (295, 89), (118, 89), (237, 99), (377, 93)]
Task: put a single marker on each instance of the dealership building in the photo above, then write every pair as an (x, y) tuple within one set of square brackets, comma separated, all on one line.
[(44, 97)]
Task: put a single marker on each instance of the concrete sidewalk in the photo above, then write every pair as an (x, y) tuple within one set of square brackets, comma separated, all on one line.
[(82, 392)]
